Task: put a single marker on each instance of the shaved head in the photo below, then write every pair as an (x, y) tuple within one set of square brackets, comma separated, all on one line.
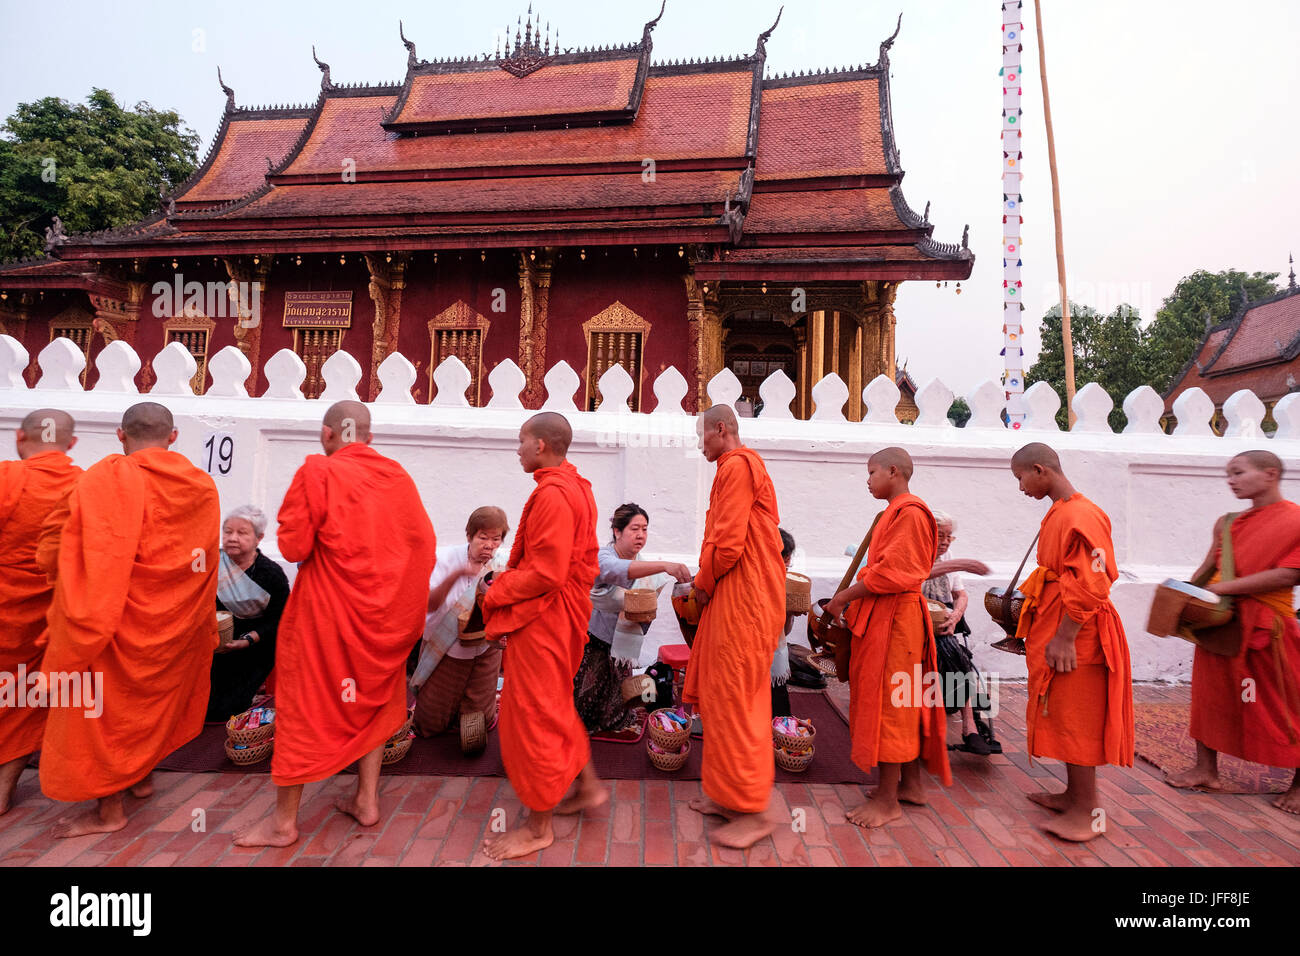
[(340, 414), (893, 458), (553, 429), (49, 427), (148, 422), (720, 413), (1261, 460), (1036, 453)]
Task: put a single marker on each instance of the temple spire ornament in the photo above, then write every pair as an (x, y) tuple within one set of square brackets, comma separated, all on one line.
[(1291, 286), (326, 83), (230, 94), (649, 27), (766, 35), (410, 46)]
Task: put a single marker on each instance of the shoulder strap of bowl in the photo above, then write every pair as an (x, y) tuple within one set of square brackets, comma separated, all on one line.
[(852, 572), (1015, 579)]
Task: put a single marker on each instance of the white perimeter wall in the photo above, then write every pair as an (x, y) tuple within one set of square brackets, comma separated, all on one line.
[(1162, 492)]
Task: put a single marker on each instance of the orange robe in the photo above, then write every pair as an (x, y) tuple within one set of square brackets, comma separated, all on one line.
[(1084, 717), (730, 670), (364, 544), (895, 701), (136, 580), (1265, 729), (542, 602), (29, 491)]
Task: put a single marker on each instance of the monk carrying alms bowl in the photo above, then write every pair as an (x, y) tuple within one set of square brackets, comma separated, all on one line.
[(1178, 605), (1006, 615)]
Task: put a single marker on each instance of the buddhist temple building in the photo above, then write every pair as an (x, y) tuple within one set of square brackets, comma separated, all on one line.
[(535, 204), (1257, 349)]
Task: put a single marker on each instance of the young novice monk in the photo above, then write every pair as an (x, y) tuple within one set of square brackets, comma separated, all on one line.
[(30, 488), (1262, 727), (542, 603), (893, 721), (1080, 685)]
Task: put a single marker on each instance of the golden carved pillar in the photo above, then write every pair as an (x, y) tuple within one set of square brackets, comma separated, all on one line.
[(801, 397), (115, 318), (247, 296), (387, 280), (534, 309), (705, 337), (889, 359), (855, 372)]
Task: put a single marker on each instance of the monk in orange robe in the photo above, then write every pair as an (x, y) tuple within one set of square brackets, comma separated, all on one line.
[(134, 552), (741, 587), (30, 488), (354, 522), (896, 715), (1080, 707), (1249, 705), (542, 603)]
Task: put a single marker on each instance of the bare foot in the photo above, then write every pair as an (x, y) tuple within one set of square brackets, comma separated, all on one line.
[(9, 774), (1056, 802), (365, 813), (514, 844), (744, 830), (1198, 778), (266, 833), (874, 814), (1075, 826), (710, 807), (143, 789), (89, 822), (913, 795), (1289, 802), (583, 798)]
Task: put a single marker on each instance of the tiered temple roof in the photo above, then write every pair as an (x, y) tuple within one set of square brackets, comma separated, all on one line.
[(796, 176), (1257, 349)]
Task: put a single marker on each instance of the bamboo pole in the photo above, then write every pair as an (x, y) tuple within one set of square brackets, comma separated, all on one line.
[(1066, 337)]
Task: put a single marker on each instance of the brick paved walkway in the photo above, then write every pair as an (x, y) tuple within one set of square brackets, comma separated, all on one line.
[(983, 819)]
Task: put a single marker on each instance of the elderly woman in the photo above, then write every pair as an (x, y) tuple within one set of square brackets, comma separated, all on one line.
[(254, 589), (614, 643)]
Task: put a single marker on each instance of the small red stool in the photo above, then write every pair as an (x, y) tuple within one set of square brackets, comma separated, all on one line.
[(676, 656)]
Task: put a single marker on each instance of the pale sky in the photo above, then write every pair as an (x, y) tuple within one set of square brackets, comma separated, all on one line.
[(1176, 123)]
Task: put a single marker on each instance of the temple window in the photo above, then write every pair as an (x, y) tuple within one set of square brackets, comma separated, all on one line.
[(314, 346), (615, 336), (77, 327), (459, 331), (194, 331)]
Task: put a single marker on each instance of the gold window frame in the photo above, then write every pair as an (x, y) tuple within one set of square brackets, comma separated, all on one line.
[(616, 318), (193, 321), (460, 316)]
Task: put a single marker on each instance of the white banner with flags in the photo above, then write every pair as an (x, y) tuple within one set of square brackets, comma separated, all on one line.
[(1013, 375)]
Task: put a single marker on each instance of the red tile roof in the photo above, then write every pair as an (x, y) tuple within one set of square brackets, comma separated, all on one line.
[(1258, 349), (823, 129), (846, 210), (692, 116), (239, 166), (524, 196), (1264, 334), (558, 88)]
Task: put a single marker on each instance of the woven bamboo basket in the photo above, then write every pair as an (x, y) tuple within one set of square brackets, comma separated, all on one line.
[(938, 613), (795, 744), (245, 736), (254, 753), (798, 593), (640, 604), (473, 733), (225, 627), (824, 663), (396, 750), (673, 760), (400, 734), (667, 740), (795, 763)]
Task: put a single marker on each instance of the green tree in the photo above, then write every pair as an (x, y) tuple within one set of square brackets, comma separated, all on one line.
[(959, 412), (96, 166), (1108, 349), (1199, 300)]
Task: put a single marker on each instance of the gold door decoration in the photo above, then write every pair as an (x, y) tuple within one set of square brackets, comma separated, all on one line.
[(76, 325), (314, 346), (614, 336), (459, 330), (194, 331)]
